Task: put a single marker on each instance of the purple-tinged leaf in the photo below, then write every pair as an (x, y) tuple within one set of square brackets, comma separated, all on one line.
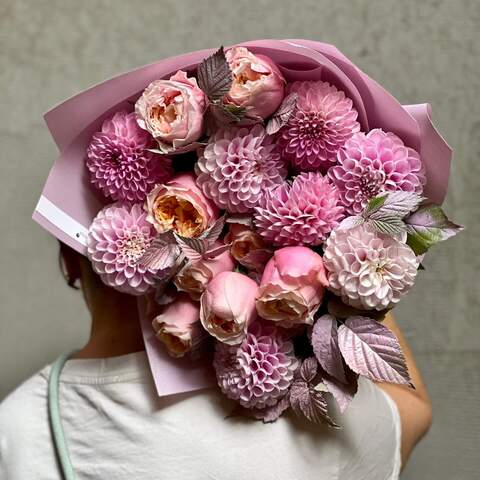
[(310, 402), (372, 350), (160, 255), (388, 225), (325, 346), (282, 115), (192, 248), (428, 226), (396, 204), (215, 76), (343, 393), (308, 370), (216, 251), (167, 149), (214, 232), (350, 222)]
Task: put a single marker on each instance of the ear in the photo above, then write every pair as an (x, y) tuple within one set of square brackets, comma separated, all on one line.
[(69, 261)]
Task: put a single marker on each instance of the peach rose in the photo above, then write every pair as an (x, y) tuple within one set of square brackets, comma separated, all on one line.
[(178, 326), (172, 111), (248, 247), (179, 205), (292, 286), (194, 277), (257, 83)]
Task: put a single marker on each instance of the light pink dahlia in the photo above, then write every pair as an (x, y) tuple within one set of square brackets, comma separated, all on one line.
[(373, 163), (324, 118), (368, 270), (117, 239), (120, 164), (236, 167), (258, 372), (302, 212)]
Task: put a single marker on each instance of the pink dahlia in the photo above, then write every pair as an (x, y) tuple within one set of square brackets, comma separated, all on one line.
[(236, 167), (302, 212), (258, 372), (119, 162), (324, 118), (373, 163), (117, 239), (368, 270)]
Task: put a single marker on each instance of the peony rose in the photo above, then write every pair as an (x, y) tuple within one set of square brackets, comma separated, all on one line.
[(178, 326), (248, 247), (194, 277), (258, 84), (292, 286), (172, 111), (227, 306), (179, 205)]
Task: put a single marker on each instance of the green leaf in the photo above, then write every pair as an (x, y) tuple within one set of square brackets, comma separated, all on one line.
[(428, 226), (388, 224), (214, 75), (374, 204)]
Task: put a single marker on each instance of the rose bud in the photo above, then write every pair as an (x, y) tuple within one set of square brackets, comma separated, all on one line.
[(227, 306), (248, 247), (258, 85), (172, 111), (292, 286), (179, 205), (194, 277), (178, 326)]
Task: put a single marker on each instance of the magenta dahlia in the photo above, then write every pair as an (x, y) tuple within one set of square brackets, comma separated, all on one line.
[(258, 372), (324, 118), (373, 163), (302, 212), (236, 167), (119, 162), (117, 239)]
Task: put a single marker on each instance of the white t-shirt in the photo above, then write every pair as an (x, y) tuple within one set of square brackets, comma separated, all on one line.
[(118, 428)]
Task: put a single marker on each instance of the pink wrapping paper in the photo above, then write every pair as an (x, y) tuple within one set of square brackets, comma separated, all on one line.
[(68, 203)]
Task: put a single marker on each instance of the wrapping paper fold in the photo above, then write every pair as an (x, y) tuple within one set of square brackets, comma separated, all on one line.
[(68, 203)]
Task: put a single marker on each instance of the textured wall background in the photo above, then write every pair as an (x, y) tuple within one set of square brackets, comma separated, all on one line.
[(420, 51)]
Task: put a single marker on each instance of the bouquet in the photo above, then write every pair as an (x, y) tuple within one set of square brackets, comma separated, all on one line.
[(271, 212)]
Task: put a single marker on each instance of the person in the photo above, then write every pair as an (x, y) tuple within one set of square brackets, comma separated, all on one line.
[(117, 427)]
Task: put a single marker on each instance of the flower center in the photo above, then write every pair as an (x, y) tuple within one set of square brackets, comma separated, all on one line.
[(311, 125), (178, 214), (134, 247), (371, 183)]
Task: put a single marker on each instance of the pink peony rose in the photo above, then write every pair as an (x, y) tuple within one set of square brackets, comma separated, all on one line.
[(178, 326), (194, 277), (258, 84), (227, 306), (179, 205), (248, 247), (172, 111), (292, 286)]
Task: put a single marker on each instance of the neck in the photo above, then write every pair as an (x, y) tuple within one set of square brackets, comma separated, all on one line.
[(115, 328)]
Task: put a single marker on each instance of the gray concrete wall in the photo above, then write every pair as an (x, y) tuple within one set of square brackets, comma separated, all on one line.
[(419, 50)]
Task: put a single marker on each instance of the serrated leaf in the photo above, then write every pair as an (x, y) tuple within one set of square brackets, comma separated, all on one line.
[(372, 350), (428, 226), (343, 393), (192, 248), (160, 255), (271, 414), (310, 403), (350, 222), (308, 370), (215, 76), (388, 225), (282, 115), (325, 346), (393, 204), (235, 112), (214, 232), (216, 251)]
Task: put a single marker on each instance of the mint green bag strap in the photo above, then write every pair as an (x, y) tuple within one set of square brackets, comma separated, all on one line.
[(58, 434)]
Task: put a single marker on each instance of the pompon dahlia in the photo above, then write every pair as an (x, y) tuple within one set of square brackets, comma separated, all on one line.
[(324, 118), (258, 372), (302, 212), (373, 163), (120, 164), (117, 238), (236, 167), (367, 269)]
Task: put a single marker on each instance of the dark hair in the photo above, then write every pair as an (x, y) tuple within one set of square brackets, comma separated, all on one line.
[(64, 254)]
